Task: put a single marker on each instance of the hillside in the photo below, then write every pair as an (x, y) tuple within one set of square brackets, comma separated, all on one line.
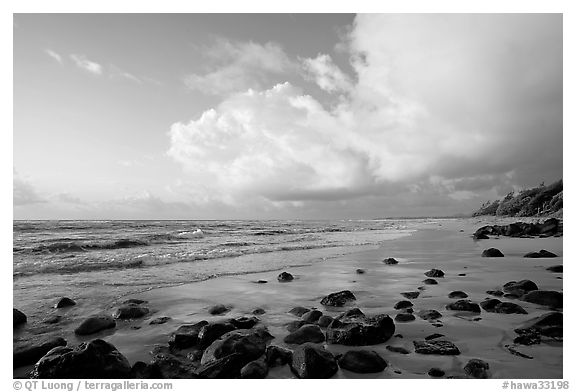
[(540, 201)]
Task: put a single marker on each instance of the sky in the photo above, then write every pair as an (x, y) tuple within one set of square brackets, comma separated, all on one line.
[(282, 116)]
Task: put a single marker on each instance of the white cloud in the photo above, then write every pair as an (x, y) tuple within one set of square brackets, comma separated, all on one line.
[(436, 98), (237, 66), (24, 192), (326, 74), (54, 55), (82, 62)]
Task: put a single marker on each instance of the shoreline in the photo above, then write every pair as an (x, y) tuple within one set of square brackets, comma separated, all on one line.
[(444, 246)]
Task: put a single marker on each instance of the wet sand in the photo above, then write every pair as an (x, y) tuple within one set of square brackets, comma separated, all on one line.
[(448, 247)]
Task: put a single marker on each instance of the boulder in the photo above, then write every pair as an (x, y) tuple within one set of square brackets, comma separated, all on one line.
[(543, 253), (490, 304), (31, 353), (312, 316), (278, 356), (477, 368), (134, 301), (403, 304), (298, 311), (338, 299), (410, 294), (130, 311), (457, 294), (160, 320), (553, 299), (549, 324), (556, 269), (390, 261), (54, 319), (430, 314), (396, 349), (95, 324), (404, 317), (95, 359), (294, 325), (433, 336), (362, 361), (310, 360), (550, 226), (258, 311), (210, 332), (169, 365), (436, 372), (142, 370), (64, 302), (254, 370), (325, 321), (480, 236), (509, 308), (285, 277), (437, 347), (223, 368), (492, 252), (244, 322), (218, 309), (520, 287), (248, 345), (353, 328), (18, 317), (430, 281), (186, 335), (464, 305), (305, 334), (360, 271), (496, 293), (434, 273)]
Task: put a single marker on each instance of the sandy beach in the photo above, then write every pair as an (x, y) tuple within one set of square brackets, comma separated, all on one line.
[(448, 246)]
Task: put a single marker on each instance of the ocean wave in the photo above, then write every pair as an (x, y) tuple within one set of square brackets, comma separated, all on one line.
[(79, 247)]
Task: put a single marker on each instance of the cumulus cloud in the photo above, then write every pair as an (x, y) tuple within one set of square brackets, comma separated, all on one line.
[(449, 105), (326, 74), (82, 62), (237, 66)]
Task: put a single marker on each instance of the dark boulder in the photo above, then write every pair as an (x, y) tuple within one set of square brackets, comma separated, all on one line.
[(435, 372), (170, 365), (437, 347), (312, 316), (325, 321), (477, 368), (496, 293), (360, 271), (160, 320), (553, 299), (95, 359), (18, 317), (396, 349), (430, 314), (403, 304), (64, 302), (492, 252), (222, 368), (353, 328), (433, 336), (338, 299), (142, 370), (549, 324), (404, 317), (30, 354), (457, 294), (519, 287), (285, 277), (464, 306), (130, 311), (244, 322), (254, 370), (53, 319), (410, 294), (258, 311), (134, 301), (278, 356), (305, 334), (490, 304), (556, 269), (390, 261), (186, 335), (509, 308), (430, 281), (218, 309), (298, 311), (549, 226), (248, 345), (210, 332), (434, 273), (313, 361), (95, 324), (480, 236), (362, 361), (294, 325)]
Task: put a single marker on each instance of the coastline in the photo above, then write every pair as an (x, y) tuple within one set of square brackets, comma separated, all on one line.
[(447, 246)]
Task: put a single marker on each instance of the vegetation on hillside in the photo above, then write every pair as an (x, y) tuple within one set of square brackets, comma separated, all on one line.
[(542, 200)]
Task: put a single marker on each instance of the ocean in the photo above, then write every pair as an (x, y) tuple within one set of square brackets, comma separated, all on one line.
[(98, 262)]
